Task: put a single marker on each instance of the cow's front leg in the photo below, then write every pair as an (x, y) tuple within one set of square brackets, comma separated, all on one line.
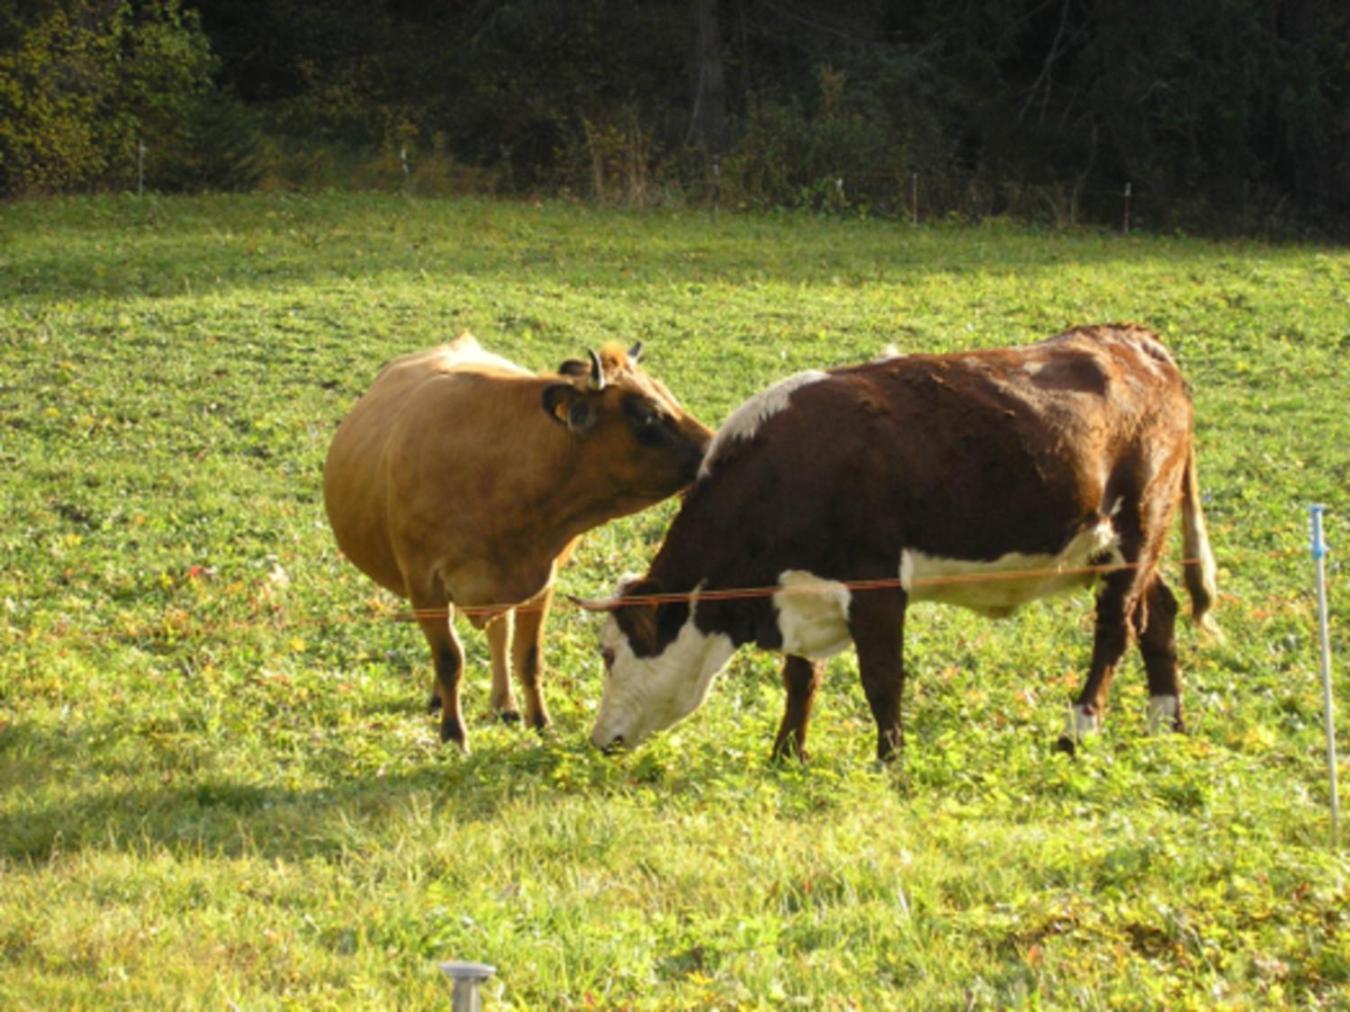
[(448, 660), (876, 620), (801, 678), (528, 661)]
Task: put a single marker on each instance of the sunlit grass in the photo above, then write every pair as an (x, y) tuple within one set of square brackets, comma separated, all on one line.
[(217, 781)]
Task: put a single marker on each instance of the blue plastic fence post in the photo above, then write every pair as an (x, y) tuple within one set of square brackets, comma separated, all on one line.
[(1319, 554)]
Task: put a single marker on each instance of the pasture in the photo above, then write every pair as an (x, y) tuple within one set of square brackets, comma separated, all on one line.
[(218, 784)]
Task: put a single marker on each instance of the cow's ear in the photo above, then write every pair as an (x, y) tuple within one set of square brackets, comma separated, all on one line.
[(574, 367), (568, 406)]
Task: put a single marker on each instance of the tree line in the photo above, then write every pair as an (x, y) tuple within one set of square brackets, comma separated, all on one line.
[(1222, 115)]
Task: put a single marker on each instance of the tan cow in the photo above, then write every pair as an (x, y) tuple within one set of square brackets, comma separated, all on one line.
[(462, 480)]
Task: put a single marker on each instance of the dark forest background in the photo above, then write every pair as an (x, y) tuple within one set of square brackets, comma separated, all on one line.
[(1221, 115)]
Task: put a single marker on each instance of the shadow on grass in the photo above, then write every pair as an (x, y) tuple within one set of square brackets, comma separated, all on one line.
[(187, 804)]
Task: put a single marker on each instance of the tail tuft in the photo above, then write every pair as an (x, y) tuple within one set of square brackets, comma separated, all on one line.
[(1198, 567)]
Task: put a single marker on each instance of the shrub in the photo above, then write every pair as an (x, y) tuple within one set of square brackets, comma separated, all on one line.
[(85, 86)]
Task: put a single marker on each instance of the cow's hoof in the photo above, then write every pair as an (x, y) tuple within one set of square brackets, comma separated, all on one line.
[(452, 731), (509, 716), (433, 703), (1065, 745)]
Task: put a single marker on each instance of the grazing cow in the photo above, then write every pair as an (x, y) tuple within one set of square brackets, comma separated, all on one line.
[(463, 480), (985, 479)]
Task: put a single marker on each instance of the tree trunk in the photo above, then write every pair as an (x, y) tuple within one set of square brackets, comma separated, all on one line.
[(708, 122)]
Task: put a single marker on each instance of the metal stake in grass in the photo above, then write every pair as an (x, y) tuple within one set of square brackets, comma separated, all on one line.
[(467, 977), (1319, 553)]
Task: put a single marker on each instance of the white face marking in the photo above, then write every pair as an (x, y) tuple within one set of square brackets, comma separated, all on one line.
[(647, 694), (745, 421), (1081, 723), (1162, 712), (812, 614), (998, 587)]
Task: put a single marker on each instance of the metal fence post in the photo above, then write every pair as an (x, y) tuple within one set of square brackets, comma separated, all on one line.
[(467, 978)]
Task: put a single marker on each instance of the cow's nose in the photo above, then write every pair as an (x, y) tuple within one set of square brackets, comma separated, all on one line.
[(615, 745)]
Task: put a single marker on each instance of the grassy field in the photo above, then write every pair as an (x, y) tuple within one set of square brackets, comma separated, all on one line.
[(218, 786)]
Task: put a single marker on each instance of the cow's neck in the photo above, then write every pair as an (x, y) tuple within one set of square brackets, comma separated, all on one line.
[(700, 555)]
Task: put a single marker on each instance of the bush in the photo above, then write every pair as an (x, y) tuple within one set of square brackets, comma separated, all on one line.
[(88, 84), (847, 149)]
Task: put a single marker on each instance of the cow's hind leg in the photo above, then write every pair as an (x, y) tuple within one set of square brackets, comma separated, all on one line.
[(876, 620), (801, 678), (527, 659), (498, 630), (448, 659), (1155, 619), (1114, 603)]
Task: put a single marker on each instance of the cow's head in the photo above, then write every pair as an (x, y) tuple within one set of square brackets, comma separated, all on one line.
[(641, 445), (659, 665)]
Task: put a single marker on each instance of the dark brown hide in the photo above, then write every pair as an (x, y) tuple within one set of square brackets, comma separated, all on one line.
[(964, 458)]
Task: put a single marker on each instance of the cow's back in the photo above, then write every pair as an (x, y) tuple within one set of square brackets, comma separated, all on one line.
[(418, 405), (1015, 449), (971, 456)]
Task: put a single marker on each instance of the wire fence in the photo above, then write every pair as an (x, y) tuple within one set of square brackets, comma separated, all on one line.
[(178, 623), (827, 586)]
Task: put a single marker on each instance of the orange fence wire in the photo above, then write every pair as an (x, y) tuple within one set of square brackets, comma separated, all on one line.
[(178, 625)]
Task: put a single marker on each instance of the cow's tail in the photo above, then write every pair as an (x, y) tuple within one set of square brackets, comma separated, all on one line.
[(1198, 565)]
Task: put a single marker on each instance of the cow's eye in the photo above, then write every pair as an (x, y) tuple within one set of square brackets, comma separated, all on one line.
[(650, 431), (607, 655), (646, 422)]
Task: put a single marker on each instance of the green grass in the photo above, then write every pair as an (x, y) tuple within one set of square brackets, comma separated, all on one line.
[(217, 784)]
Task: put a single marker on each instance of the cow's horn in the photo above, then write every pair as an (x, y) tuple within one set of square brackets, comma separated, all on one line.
[(635, 352), (597, 380), (593, 604)]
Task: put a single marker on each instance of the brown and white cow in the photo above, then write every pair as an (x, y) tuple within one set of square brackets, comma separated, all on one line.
[(462, 480), (985, 479)]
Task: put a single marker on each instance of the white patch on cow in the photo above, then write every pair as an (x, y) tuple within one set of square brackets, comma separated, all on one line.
[(1153, 348), (998, 587), (1033, 366), (1148, 351), (1081, 723), (1150, 355), (746, 420), (812, 614), (1162, 713), (464, 352), (647, 694)]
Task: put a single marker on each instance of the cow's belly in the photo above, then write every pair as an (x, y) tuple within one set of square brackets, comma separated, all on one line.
[(812, 611), (999, 586), (812, 614)]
